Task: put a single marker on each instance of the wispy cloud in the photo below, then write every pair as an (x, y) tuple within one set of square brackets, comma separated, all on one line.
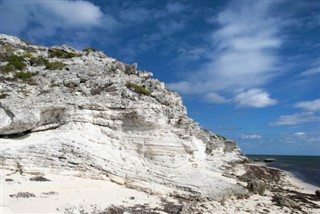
[(311, 71), (250, 136), (295, 119), (299, 134), (175, 7), (215, 98), (309, 105), (170, 27), (135, 15), (301, 138), (192, 54), (243, 54), (314, 68)]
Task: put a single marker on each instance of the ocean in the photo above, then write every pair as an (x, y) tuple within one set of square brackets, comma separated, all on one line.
[(306, 168)]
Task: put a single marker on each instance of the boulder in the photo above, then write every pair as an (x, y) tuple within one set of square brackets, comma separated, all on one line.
[(257, 187), (284, 201)]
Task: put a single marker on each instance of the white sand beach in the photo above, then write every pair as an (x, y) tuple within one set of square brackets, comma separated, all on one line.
[(70, 194)]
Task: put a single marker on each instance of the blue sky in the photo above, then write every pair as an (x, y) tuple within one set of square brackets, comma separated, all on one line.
[(249, 70)]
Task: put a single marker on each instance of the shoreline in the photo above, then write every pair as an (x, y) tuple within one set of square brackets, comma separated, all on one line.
[(291, 177), (289, 173), (70, 194), (303, 167)]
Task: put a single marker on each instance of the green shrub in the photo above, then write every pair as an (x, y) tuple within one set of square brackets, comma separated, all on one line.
[(27, 55), (62, 54), (130, 69), (8, 68), (90, 49), (6, 50), (221, 137), (55, 65), (24, 75), (137, 88), (17, 62), (14, 63), (38, 61)]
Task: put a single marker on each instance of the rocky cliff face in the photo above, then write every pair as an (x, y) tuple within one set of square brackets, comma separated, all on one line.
[(83, 113)]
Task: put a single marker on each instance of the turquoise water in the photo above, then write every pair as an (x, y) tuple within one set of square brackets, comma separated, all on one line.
[(307, 168)]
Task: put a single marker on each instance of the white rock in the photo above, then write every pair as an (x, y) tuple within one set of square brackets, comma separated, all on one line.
[(86, 121)]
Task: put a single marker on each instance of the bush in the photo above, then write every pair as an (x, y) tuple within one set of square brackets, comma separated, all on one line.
[(6, 50), (55, 65), (221, 137), (137, 88), (62, 54), (37, 61), (27, 55), (8, 68), (23, 75), (90, 49), (17, 62), (130, 69)]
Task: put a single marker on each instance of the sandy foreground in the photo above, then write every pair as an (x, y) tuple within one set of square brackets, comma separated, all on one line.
[(29, 193)]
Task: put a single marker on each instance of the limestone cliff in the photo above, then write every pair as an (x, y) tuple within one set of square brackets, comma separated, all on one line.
[(83, 113)]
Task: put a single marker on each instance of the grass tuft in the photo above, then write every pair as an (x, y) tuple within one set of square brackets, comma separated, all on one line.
[(24, 75), (137, 88), (90, 49), (16, 62), (55, 65), (62, 54)]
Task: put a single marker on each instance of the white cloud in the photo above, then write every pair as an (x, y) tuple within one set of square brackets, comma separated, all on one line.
[(301, 138), (309, 105), (256, 98), (250, 136), (243, 53), (45, 18), (215, 98), (295, 119), (72, 13), (299, 134)]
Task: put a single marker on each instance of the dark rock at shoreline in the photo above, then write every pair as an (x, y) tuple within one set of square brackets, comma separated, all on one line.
[(39, 178), (23, 195), (317, 193), (284, 201), (265, 174), (269, 160), (256, 186)]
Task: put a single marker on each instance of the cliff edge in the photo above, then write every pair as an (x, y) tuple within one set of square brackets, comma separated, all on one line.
[(85, 114)]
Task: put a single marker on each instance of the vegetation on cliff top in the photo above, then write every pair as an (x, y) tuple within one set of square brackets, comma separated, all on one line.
[(137, 88)]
